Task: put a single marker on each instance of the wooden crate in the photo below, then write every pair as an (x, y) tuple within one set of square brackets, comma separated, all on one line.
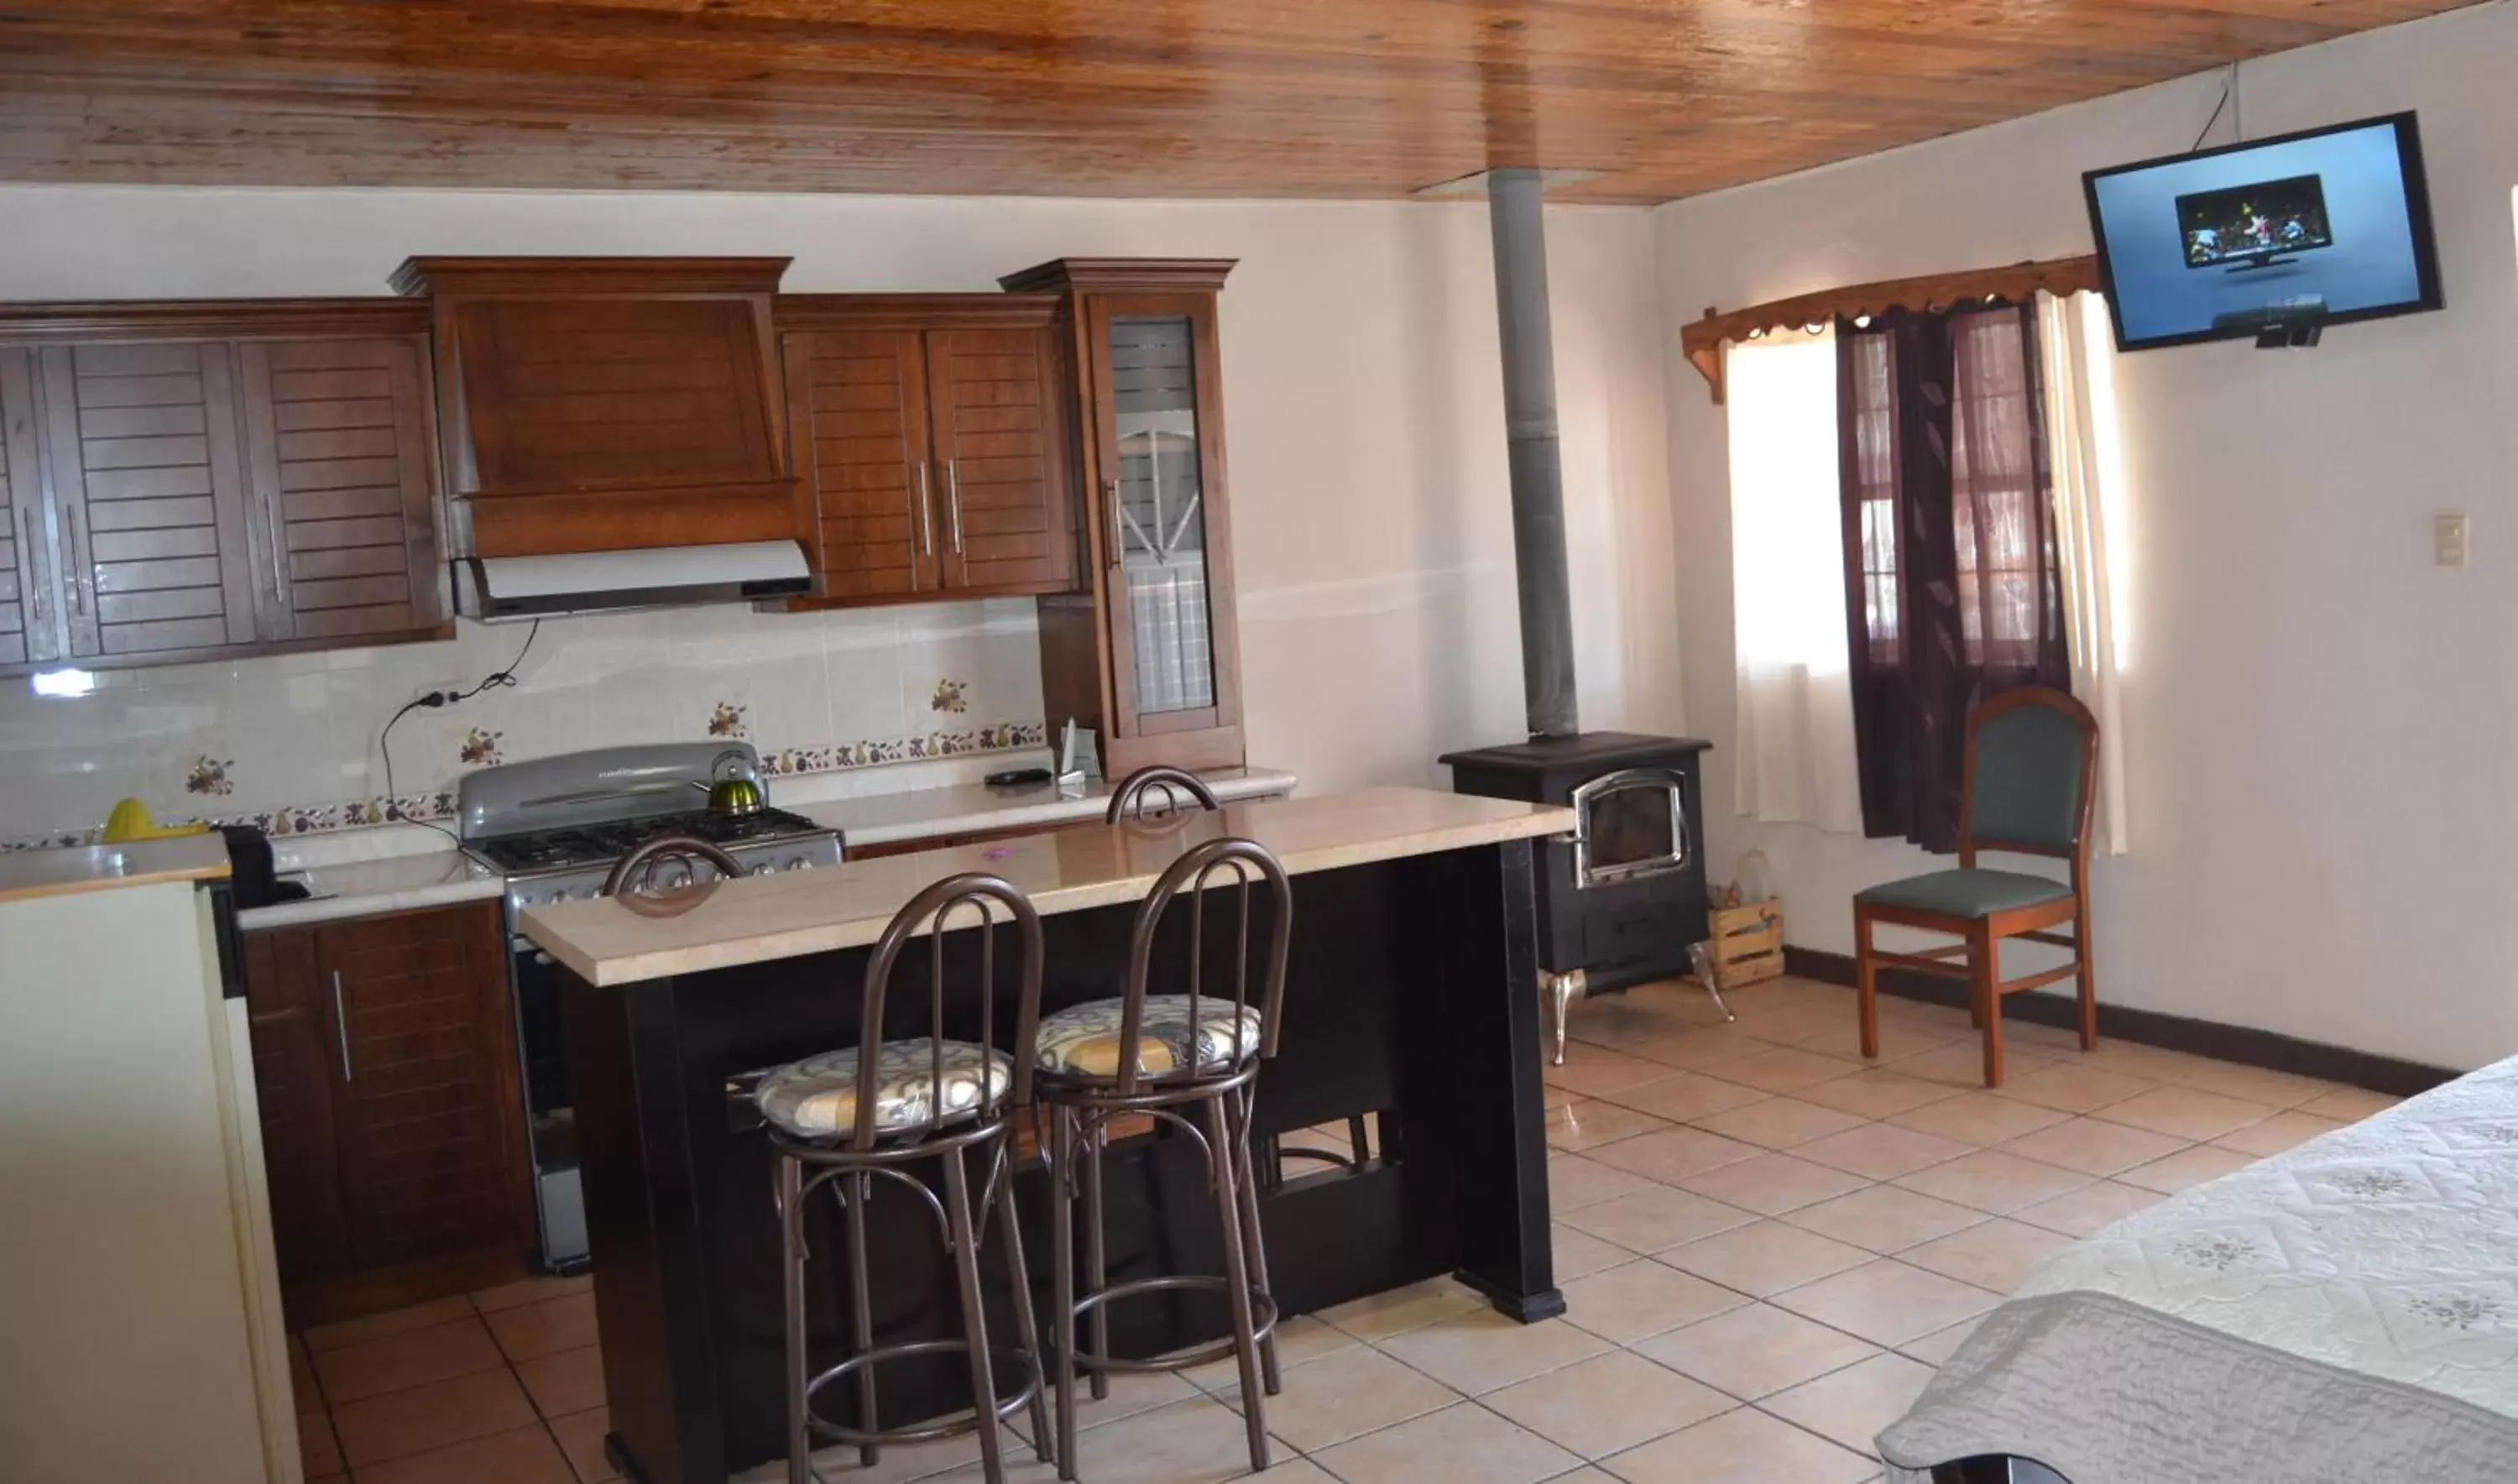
[(1748, 943)]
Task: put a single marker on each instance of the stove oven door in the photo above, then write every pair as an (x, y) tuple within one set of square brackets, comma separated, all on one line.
[(550, 1123), (1631, 826)]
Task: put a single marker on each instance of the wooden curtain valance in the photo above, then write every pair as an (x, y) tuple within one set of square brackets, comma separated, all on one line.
[(1703, 340)]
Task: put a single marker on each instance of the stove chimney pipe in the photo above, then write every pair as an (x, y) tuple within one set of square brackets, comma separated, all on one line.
[(1537, 476)]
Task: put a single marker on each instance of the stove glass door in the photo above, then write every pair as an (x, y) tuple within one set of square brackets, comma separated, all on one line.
[(1632, 825)]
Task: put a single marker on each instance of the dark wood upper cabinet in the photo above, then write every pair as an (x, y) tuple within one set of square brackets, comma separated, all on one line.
[(934, 434), (605, 404), (1147, 653), (210, 480)]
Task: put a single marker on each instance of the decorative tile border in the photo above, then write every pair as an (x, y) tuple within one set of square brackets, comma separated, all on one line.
[(426, 808)]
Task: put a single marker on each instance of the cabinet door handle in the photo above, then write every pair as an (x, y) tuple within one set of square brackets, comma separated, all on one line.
[(81, 575), (926, 514), (341, 1024), (953, 501), (26, 574)]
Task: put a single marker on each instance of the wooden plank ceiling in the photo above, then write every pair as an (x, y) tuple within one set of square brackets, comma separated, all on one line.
[(1156, 98)]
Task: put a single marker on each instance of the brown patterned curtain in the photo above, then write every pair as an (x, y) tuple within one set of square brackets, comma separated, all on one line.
[(1952, 593)]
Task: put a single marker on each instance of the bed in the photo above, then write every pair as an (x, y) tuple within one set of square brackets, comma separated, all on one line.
[(2345, 1312)]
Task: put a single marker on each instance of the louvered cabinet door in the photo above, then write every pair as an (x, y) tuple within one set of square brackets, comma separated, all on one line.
[(148, 492), (31, 601), (338, 443), (427, 1111), (857, 414), (294, 1072), (993, 396)]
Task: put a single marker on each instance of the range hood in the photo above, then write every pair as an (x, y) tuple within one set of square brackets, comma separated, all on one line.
[(500, 587)]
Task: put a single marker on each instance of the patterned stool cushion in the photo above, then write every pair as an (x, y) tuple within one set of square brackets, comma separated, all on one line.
[(1084, 1039), (816, 1097)]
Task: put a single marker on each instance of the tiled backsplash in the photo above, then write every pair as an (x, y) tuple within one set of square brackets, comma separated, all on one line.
[(298, 737)]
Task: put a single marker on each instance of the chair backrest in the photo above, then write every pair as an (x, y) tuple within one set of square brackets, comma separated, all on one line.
[(2031, 766), (1135, 797), (1245, 862), (638, 870), (988, 898)]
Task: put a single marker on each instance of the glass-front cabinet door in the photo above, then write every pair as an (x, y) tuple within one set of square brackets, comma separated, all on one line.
[(1163, 519)]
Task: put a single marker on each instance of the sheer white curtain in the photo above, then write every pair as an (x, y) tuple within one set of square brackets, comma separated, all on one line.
[(2075, 343), (1796, 702)]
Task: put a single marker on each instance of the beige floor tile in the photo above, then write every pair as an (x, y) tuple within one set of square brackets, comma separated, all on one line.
[(532, 1329), (1590, 1123), (564, 1382), (2094, 1146), (418, 1419), (1672, 1154), (411, 1357), (1884, 1219), (2086, 1212), (1620, 1019), (1939, 1345), (1376, 1315), (1790, 1024), (2282, 1132), (1643, 1298), (2350, 1104), (1130, 1395), (1300, 1340), (1552, 1096), (1765, 1259), (2186, 1113), (316, 1449), (1460, 1444), (1905, 1012), (1685, 1095), (302, 1385), (1786, 1068), (923, 1460), (523, 1455), (1650, 1221), (1773, 1183), (1979, 1118), (1707, 1048), (1886, 1302), (2022, 1033), (1842, 1037), (1961, 1063), (1593, 1071), (1195, 1441), (1580, 1255), (1742, 1447), (2185, 1169), (581, 1438), (1482, 1352), (2072, 1087), (530, 1291), (354, 1331), (2256, 1084), (1574, 1182), (1994, 1182), (1779, 1123), (1997, 1254), (1756, 1350), (1609, 1403), (1345, 1395), (1881, 1151), (1850, 1407), (1878, 1093)]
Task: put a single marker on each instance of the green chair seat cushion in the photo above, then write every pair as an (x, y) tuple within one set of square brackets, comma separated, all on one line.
[(1968, 894)]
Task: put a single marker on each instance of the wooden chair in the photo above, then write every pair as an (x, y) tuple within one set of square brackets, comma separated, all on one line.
[(2032, 757)]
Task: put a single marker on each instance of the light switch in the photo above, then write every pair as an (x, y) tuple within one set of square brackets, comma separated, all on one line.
[(2452, 544)]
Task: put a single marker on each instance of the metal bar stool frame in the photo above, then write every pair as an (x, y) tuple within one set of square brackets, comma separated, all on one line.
[(851, 1165), (1080, 1108)]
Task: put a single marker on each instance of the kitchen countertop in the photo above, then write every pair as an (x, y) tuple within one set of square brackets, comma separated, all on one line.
[(771, 917), (28, 874), (928, 812), (397, 884)]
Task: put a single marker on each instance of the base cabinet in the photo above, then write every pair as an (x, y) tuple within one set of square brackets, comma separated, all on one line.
[(384, 1052)]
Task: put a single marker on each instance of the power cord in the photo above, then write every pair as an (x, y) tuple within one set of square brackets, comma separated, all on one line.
[(497, 680)]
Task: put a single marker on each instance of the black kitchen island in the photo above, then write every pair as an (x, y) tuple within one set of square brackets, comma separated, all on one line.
[(1411, 995)]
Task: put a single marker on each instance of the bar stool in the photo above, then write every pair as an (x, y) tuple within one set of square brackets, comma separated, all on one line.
[(1164, 1054), (844, 1120), (668, 863), (1134, 798)]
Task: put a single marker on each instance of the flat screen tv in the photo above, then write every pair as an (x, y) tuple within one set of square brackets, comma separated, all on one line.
[(2319, 228)]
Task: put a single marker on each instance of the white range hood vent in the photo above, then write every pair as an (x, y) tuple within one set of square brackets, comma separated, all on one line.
[(496, 587)]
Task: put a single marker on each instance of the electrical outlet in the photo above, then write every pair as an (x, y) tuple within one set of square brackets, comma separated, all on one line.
[(2452, 544)]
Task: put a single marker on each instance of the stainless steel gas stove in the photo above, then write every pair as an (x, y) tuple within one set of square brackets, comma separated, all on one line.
[(553, 827)]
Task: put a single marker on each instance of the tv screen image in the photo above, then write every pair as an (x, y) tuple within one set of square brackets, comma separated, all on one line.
[(2323, 227), (2247, 225)]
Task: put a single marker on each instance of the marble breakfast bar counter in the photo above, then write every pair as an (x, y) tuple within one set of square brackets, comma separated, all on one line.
[(1411, 997)]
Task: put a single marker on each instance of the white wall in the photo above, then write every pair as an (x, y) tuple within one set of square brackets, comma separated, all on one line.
[(1364, 406), (2320, 724)]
